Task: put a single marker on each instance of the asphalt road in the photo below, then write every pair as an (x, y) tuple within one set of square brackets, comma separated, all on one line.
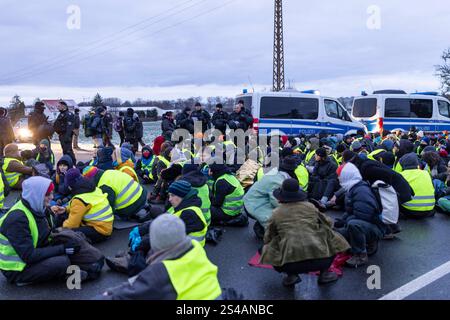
[(420, 247)]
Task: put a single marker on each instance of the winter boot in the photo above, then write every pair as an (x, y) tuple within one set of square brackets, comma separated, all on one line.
[(291, 280), (327, 277)]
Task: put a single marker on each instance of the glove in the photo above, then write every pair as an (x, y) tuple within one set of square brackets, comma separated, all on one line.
[(324, 200), (134, 238), (71, 248)]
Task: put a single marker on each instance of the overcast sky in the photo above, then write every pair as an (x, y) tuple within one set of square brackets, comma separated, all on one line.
[(179, 48)]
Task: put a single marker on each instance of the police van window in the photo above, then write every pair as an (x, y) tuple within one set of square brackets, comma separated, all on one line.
[(365, 108), (408, 108), (343, 114), (289, 108), (331, 108), (444, 108), (247, 102)]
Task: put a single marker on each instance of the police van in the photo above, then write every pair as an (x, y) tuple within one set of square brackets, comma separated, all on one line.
[(396, 110), (293, 112)]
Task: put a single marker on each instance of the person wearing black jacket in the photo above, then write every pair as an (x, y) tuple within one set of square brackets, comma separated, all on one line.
[(43, 261), (220, 119), (130, 129), (6, 130), (183, 120), (167, 125), (76, 129), (36, 119), (64, 126), (240, 118), (108, 127), (200, 114), (97, 126), (323, 180)]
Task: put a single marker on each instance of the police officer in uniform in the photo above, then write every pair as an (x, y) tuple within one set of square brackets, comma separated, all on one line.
[(64, 126)]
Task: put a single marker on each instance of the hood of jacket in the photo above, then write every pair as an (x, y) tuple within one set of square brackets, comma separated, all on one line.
[(219, 170), (315, 142), (409, 161), (349, 177), (83, 185), (33, 192), (64, 159), (405, 147), (104, 154), (195, 178)]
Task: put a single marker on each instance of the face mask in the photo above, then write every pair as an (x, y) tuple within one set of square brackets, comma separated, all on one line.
[(146, 154)]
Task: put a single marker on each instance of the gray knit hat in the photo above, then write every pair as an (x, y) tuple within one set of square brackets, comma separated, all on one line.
[(166, 231)]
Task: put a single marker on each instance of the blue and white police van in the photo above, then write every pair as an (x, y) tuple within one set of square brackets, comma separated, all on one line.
[(396, 110), (293, 112)]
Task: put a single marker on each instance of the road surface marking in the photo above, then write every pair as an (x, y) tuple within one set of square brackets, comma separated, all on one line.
[(418, 283)]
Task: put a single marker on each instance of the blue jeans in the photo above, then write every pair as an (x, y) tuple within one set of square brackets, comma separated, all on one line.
[(359, 233)]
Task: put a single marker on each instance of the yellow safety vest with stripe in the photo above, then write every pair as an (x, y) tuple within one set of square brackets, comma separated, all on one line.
[(398, 167), (9, 259), (309, 156), (372, 155), (203, 194), (193, 276), (2, 193), (197, 235), (164, 160), (127, 190), (52, 157), (234, 202), (148, 167), (422, 185), (11, 177), (100, 208), (302, 175)]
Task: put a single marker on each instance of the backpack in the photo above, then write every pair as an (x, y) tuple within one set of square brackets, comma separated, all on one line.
[(129, 124), (118, 125), (388, 201)]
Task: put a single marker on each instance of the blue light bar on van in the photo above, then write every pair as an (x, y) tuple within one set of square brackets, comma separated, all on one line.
[(429, 93), (244, 91), (311, 92)]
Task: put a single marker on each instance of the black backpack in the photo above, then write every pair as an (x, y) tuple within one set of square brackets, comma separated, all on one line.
[(129, 124)]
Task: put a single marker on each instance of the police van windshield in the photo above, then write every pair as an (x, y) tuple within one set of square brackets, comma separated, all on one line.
[(408, 108), (365, 108), (289, 108)]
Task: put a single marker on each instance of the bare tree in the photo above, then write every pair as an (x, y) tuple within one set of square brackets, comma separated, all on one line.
[(443, 72)]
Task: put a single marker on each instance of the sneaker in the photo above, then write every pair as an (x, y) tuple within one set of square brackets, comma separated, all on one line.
[(214, 235), (357, 260), (119, 264), (291, 280), (372, 248), (327, 277)]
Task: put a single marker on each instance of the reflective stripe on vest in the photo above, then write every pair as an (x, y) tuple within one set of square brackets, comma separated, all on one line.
[(52, 158), (164, 160), (422, 185), (372, 155), (9, 259), (310, 155), (203, 194), (2, 193), (260, 174), (100, 210), (127, 190), (234, 202), (11, 177), (197, 235), (193, 276), (302, 175)]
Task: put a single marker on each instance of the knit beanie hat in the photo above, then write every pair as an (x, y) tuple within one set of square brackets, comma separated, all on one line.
[(72, 177), (166, 231), (90, 172), (180, 188), (321, 152)]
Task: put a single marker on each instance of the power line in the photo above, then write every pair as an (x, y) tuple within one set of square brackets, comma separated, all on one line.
[(99, 44), (119, 46)]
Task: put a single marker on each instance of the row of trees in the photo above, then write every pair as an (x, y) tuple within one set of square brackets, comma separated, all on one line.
[(114, 102)]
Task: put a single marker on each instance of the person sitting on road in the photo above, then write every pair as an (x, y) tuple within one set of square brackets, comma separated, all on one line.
[(176, 268), (423, 202), (13, 168), (27, 255), (159, 193), (259, 201), (361, 224), (126, 196), (104, 159), (299, 238), (227, 198), (122, 161), (62, 193), (323, 180), (89, 211), (44, 154), (145, 166)]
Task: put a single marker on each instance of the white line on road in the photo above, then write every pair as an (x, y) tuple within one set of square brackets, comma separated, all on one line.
[(418, 283)]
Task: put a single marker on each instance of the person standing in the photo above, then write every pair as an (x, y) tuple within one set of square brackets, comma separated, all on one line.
[(6, 130), (200, 114), (167, 125), (36, 119), (129, 126), (183, 120), (220, 119), (76, 129), (239, 118), (118, 127), (139, 131), (107, 127), (64, 126), (97, 127)]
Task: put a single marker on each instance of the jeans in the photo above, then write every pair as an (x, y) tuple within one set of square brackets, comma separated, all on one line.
[(359, 233)]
